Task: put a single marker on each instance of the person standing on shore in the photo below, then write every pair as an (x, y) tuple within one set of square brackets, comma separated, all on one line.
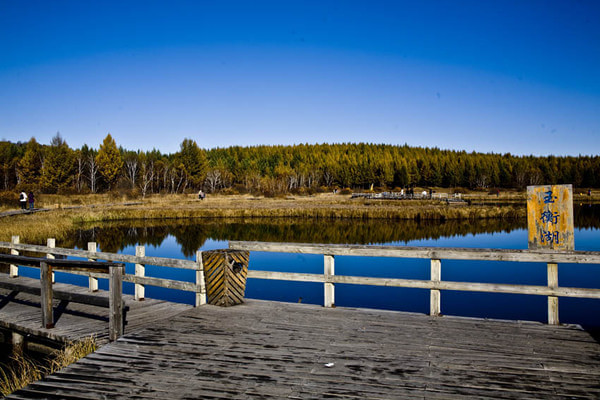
[(23, 200), (31, 200)]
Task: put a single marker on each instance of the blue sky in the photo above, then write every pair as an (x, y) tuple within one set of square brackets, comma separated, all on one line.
[(491, 76)]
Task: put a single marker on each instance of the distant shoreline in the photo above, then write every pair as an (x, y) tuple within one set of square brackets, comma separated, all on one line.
[(67, 212)]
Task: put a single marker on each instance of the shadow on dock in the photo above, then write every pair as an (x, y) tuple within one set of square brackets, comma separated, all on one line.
[(264, 349)]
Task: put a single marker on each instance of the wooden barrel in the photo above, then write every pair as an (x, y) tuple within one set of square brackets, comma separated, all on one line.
[(225, 273)]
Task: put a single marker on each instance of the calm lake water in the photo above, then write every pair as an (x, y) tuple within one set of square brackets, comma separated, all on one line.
[(182, 240)]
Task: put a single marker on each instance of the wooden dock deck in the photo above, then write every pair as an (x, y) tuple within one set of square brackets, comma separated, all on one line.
[(20, 312), (264, 349)]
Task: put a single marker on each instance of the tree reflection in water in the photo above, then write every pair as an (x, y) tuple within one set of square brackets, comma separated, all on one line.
[(192, 234)]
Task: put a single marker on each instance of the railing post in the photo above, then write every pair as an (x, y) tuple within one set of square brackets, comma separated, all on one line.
[(46, 295), (18, 343), (329, 265), (435, 305), (14, 269), (200, 283), (553, 300), (115, 301), (93, 282), (140, 270), (51, 243)]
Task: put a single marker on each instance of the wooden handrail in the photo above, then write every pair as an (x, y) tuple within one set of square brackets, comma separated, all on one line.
[(198, 287), (124, 258), (73, 265), (46, 265), (434, 284), (438, 253)]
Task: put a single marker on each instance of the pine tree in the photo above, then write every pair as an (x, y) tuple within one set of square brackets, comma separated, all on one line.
[(30, 166), (58, 169), (109, 161), (193, 160)]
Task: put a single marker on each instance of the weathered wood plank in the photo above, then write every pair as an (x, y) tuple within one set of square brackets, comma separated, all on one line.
[(46, 295), (74, 265), (140, 271), (114, 257), (92, 280), (552, 300), (273, 350), (329, 279), (435, 306), (115, 324), (433, 285), (440, 253), (14, 269)]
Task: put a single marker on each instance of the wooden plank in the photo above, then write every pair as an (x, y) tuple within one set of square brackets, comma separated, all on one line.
[(440, 253), (140, 271), (329, 275), (274, 350), (51, 243), (46, 295), (92, 280), (286, 276), (553, 300), (434, 295), (432, 285), (14, 269), (200, 282), (70, 296), (114, 257), (160, 282), (115, 324), (75, 265)]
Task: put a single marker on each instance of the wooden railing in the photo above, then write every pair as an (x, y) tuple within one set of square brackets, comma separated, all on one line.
[(140, 261), (435, 283), (47, 265)]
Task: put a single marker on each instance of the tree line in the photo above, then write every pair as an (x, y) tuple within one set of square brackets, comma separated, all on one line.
[(303, 168)]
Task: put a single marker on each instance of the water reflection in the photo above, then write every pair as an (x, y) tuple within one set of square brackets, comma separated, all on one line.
[(192, 234), (586, 215)]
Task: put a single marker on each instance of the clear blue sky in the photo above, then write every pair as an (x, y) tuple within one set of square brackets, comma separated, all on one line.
[(491, 76)]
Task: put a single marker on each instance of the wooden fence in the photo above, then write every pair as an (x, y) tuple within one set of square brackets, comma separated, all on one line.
[(435, 283), (140, 260), (48, 264)]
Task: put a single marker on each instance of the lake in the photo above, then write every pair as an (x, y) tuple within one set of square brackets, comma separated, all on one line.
[(183, 239)]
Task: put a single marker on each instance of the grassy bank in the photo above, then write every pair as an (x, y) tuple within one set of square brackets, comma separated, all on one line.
[(23, 370), (67, 212), (317, 207)]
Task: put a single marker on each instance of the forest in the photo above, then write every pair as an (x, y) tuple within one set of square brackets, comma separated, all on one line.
[(276, 169)]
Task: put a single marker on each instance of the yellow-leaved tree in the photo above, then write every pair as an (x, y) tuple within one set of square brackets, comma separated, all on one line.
[(109, 161)]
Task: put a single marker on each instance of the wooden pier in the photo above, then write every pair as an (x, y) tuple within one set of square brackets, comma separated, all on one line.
[(264, 350)]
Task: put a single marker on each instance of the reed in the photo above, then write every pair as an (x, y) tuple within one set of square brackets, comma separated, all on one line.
[(23, 370), (18, 373), (71, 353)]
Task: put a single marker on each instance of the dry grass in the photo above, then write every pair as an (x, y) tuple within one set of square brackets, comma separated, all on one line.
[(20, 372), (34, 228), (23, 370), (322, 206)]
